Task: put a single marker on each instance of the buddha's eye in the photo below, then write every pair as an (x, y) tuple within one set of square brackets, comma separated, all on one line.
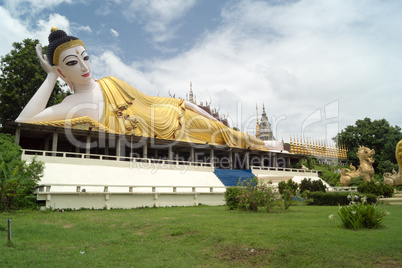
[(86, 57), (71, 63)]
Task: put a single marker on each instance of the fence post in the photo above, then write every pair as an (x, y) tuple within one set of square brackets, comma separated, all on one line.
[(9, 230)]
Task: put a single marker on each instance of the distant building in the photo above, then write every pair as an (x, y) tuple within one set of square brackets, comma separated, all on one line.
[(264, 131)]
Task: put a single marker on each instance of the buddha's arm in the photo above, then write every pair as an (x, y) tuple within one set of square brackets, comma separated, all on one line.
[(198, 110), (37, 103)]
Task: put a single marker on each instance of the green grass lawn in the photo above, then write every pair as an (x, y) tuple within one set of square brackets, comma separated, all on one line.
[(196, 237)]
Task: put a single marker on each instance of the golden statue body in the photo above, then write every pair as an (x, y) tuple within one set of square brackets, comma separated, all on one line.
[(111, 105), (365, 170), (395, 179)]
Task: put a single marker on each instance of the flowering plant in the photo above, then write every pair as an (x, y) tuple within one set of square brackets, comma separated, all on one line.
[(253, 194), (358, 214), (290, 192)]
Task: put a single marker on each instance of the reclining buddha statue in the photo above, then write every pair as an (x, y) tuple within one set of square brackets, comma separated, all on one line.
[(111, 105)]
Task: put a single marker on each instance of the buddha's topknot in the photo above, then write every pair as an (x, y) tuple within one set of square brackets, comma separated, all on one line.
[(57, 38)]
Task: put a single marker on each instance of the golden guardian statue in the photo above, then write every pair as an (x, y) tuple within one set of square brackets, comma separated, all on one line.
[(395, 179)]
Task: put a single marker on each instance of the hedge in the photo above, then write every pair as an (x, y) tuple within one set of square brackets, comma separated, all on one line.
[(335, 198)]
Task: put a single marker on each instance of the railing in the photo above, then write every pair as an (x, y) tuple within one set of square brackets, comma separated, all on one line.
[(79, 188), (284, 169), (27, 152), (343, 189)]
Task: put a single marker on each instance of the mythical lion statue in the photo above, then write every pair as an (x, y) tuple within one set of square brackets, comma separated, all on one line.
[(365, 170), (394, 178)]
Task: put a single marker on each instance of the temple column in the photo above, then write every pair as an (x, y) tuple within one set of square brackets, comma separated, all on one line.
[(262, 160), (247, 160), (211, 156), (288, 162), (275, 160), (54, 142), (230, 160), (192, 154), (156, 154), (88, 145), (145, 150), (18, 135), (118, 149), (170, 153), (131, 147)]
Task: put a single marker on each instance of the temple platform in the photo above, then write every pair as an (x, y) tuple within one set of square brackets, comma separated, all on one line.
[(91, 169)]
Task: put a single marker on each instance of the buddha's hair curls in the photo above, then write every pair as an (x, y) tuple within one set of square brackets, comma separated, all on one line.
[(56, 39)]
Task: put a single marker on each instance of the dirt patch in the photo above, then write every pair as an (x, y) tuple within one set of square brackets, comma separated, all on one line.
[(68, 226), (389, 263), (245, 255)]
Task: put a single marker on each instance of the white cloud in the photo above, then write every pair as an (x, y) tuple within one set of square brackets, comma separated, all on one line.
[(44, 26), (296, 58), (84, 28), (114, 32), (31, 7), (161, 18), (12, 31)]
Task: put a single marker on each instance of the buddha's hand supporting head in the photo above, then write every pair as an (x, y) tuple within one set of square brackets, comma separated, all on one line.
[(44, 62)]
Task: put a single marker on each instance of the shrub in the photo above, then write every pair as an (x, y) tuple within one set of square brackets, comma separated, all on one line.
[(335, 198), (358, 214), (312, 186), (254, 194), (290, 192), (231, 198), (251, 194), (289, 185), (376, 188), (17, 178)]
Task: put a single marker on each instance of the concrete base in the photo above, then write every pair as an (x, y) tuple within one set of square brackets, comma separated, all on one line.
[(397, 200), (277, 175), (91, 183), (58, 200)]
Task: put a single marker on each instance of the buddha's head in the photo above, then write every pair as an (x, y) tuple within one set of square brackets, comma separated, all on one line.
[(69, 58)]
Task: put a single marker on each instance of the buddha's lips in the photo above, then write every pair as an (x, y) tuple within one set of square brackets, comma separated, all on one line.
[(85, 75)]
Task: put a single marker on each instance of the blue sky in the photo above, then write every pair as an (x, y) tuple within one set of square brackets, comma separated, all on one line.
[(316, 65)]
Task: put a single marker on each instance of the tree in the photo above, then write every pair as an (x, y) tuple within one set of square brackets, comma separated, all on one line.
[(20, 76), (17, 178), (378, 135)]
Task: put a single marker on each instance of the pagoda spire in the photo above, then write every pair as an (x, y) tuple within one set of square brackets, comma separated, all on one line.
[(191, 95), (257, 128), (263, 110)]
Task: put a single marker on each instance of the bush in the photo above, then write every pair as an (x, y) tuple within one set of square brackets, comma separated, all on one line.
[(290, 192), (289, 185), (358, 214), (231, 199), (376, 188), (17, 178), (335, 198), (254, 194), (312, 186), (251, 194)]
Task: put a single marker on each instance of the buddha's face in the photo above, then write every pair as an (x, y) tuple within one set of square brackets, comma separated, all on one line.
[(74, 65)]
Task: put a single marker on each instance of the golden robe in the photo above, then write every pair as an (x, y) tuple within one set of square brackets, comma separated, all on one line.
[(128, 111)]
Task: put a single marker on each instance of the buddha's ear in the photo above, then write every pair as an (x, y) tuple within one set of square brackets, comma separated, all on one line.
[(57, 71)]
